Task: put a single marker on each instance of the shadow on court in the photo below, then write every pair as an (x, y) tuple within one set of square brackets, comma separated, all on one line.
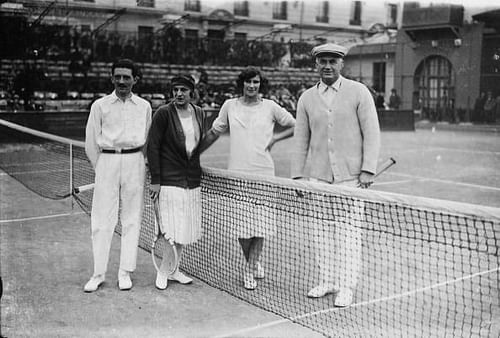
[(46, 259)]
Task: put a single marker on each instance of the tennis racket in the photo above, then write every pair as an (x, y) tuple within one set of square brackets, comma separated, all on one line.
[(163, 245), (384, 166)]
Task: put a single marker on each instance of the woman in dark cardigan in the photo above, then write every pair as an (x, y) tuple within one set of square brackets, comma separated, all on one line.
[(173, 154)]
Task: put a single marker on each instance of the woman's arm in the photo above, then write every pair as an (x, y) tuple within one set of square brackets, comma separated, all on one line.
[(279, 137), (285, 119), (208, 140)]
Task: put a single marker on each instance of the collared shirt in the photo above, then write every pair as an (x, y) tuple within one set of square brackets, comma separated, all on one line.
[(116, 124), (329, 93)]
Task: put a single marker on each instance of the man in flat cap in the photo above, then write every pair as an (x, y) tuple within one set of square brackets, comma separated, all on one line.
[(337, 130)]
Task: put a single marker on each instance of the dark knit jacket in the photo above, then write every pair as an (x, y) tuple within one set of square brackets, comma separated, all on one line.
[(168, 161)]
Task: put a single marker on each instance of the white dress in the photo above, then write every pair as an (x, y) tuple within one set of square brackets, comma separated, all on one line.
[(181, 208), (251, 129)]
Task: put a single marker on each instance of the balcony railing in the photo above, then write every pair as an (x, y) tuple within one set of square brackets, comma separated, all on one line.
[(435, 16)]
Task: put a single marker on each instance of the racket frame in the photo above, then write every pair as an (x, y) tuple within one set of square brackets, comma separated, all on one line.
[(159, 233)]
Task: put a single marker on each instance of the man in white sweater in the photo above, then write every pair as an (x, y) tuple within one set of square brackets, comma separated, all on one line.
[(337, 129)]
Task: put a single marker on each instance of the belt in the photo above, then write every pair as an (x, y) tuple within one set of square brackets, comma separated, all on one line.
[(121, 151)]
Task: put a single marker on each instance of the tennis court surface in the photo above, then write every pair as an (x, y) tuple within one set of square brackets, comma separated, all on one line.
[(429, 267)]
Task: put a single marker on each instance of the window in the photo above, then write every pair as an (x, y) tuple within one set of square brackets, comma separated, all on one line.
[(393, 15), (86, 0), (191, 40), (146, 3), (241, 8), (192, 5), (379, 76), (280, 10), (356, 14), (145, 31), (240, 36), (191, 34), (323, 9), (145, 42)]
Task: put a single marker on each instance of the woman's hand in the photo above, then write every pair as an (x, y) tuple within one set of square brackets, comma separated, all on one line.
[(270, 144), (154, 191)]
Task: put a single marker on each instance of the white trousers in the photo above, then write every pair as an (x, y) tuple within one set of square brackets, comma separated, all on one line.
[(338, 244), (118, 178)]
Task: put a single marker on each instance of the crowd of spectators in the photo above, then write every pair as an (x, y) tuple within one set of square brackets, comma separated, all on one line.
[(168, 46), (31, 89), (212, 97), (163, 46), (487, 108)]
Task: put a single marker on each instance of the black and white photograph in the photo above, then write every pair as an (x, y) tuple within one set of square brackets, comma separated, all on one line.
[(249, 168)]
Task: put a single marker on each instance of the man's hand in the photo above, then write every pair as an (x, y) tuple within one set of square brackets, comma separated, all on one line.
[(365, 179), (154, 191)]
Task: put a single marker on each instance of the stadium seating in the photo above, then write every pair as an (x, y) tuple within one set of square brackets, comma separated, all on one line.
[(153, 74)]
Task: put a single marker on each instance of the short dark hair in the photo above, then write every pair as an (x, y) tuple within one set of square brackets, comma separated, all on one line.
[(246, 75), (126, 63)]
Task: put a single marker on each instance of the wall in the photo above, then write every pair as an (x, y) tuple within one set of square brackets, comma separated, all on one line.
[(465, 61), (359, 63), (260, 20)]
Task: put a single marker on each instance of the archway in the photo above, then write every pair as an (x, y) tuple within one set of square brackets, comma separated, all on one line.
[(434, 84)]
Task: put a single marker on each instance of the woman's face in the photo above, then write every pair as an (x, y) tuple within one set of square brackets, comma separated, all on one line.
[(251, 87), (182, 95)]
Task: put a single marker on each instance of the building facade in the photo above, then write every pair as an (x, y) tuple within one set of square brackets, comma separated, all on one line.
[(444, 61), (332, 20)]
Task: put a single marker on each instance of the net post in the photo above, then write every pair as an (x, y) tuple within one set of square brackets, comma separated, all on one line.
[(71, 174)]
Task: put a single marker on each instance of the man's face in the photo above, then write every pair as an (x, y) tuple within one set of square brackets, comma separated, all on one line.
[(329, 67), (182, 94), (123, 81)]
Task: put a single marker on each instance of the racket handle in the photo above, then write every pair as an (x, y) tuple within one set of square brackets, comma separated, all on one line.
[(386, 165), (82, 188)]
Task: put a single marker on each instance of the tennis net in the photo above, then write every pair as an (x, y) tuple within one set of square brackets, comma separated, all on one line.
[(417, 267)]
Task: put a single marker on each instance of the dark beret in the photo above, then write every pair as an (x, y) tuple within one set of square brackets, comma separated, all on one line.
[(185, 80)]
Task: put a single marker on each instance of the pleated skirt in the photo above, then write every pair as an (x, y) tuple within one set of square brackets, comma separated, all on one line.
[(181, 213), (250, 220)]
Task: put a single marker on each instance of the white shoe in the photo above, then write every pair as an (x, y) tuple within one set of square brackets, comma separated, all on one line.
[(124, 281), (259, 271), (180, 277), (321, 290), (249, 281), (161, 281), (344, 297), (93, 283)]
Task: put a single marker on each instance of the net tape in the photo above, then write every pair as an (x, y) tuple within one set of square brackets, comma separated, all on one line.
[(418, 267)]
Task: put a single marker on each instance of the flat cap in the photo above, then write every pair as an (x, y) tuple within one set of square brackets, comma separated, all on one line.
[(329, 48), (185, 80)]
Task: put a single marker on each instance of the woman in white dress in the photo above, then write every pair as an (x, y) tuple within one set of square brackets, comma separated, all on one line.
[(250, 120), (174, 162)]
